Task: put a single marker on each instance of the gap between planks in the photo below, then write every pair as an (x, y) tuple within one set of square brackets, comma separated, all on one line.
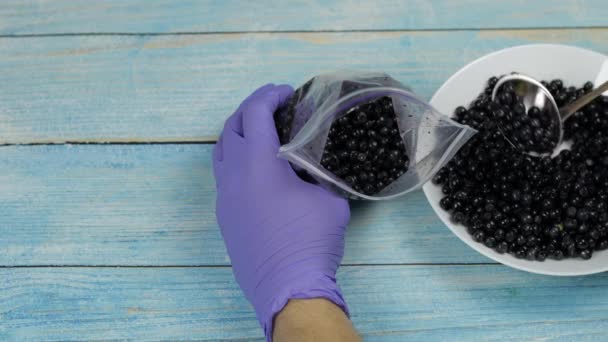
[(115, 141), (229, 266), (206, 33)]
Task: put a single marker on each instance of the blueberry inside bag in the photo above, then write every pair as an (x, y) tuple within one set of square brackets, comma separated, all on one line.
[(365, 135)]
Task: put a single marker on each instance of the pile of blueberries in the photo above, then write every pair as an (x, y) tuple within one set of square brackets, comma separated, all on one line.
[(364, 147), (531, 207)]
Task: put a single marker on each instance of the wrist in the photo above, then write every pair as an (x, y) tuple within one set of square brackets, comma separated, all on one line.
[(315, 287), (314, 319)]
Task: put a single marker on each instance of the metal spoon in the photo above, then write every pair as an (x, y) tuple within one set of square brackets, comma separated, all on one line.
[(534, 94)]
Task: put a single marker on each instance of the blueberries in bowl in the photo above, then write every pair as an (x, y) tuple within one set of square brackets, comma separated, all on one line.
[(533, 208)]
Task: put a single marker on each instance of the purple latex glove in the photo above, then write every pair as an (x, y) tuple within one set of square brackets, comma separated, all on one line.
[(285, 237)]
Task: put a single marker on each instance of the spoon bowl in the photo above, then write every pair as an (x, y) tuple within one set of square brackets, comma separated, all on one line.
[(532, 94), (549, 128)]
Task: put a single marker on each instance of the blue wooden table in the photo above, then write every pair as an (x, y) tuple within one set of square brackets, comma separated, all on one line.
[(108, 112)]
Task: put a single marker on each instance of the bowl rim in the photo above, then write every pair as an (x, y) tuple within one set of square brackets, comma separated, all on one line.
[(505, 259)]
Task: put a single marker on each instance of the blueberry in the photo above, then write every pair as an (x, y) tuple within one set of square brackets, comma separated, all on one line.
[(519, 109), (570, 224), (371, 176), (527, 229), (541, 255), (490, 242), (361, 117), (343, 155), (526, 218), (594, 234), (557, 83), (479, 236), (588, 86), (531, 255), (521, 240), (520, 253), (383, 121), (554, 231), (582, 242), (510, 236), (368, 189), (532, 240), (582, 215), (393, 155), (586, 254), (502, 247), (350, 179), (558, 255), (505, 98), (351, 144), (571, 211)]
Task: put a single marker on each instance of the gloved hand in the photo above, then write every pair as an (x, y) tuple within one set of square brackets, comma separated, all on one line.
[(284, 236)]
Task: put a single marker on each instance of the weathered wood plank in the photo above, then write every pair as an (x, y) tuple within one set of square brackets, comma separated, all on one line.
[(154, 205), (134, 16), (180, 88), (439, 303)]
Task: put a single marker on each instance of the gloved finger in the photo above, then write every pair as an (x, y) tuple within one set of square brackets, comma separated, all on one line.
[(233, 148), (258, 119), (218, 150), (235, 123)]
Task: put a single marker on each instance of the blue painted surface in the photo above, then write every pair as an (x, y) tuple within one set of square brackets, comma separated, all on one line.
[(180, 88), (152, 205), (135, 16), (387, 303)]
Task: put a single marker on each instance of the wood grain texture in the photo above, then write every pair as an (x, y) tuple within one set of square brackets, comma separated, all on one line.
[(134, 16), (180, 88), (438, 303), (154, 205)]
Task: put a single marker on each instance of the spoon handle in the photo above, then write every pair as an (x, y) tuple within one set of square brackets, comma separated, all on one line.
[(567, 110)]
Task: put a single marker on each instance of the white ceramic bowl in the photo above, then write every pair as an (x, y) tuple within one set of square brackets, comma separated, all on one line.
[(543, 62)]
